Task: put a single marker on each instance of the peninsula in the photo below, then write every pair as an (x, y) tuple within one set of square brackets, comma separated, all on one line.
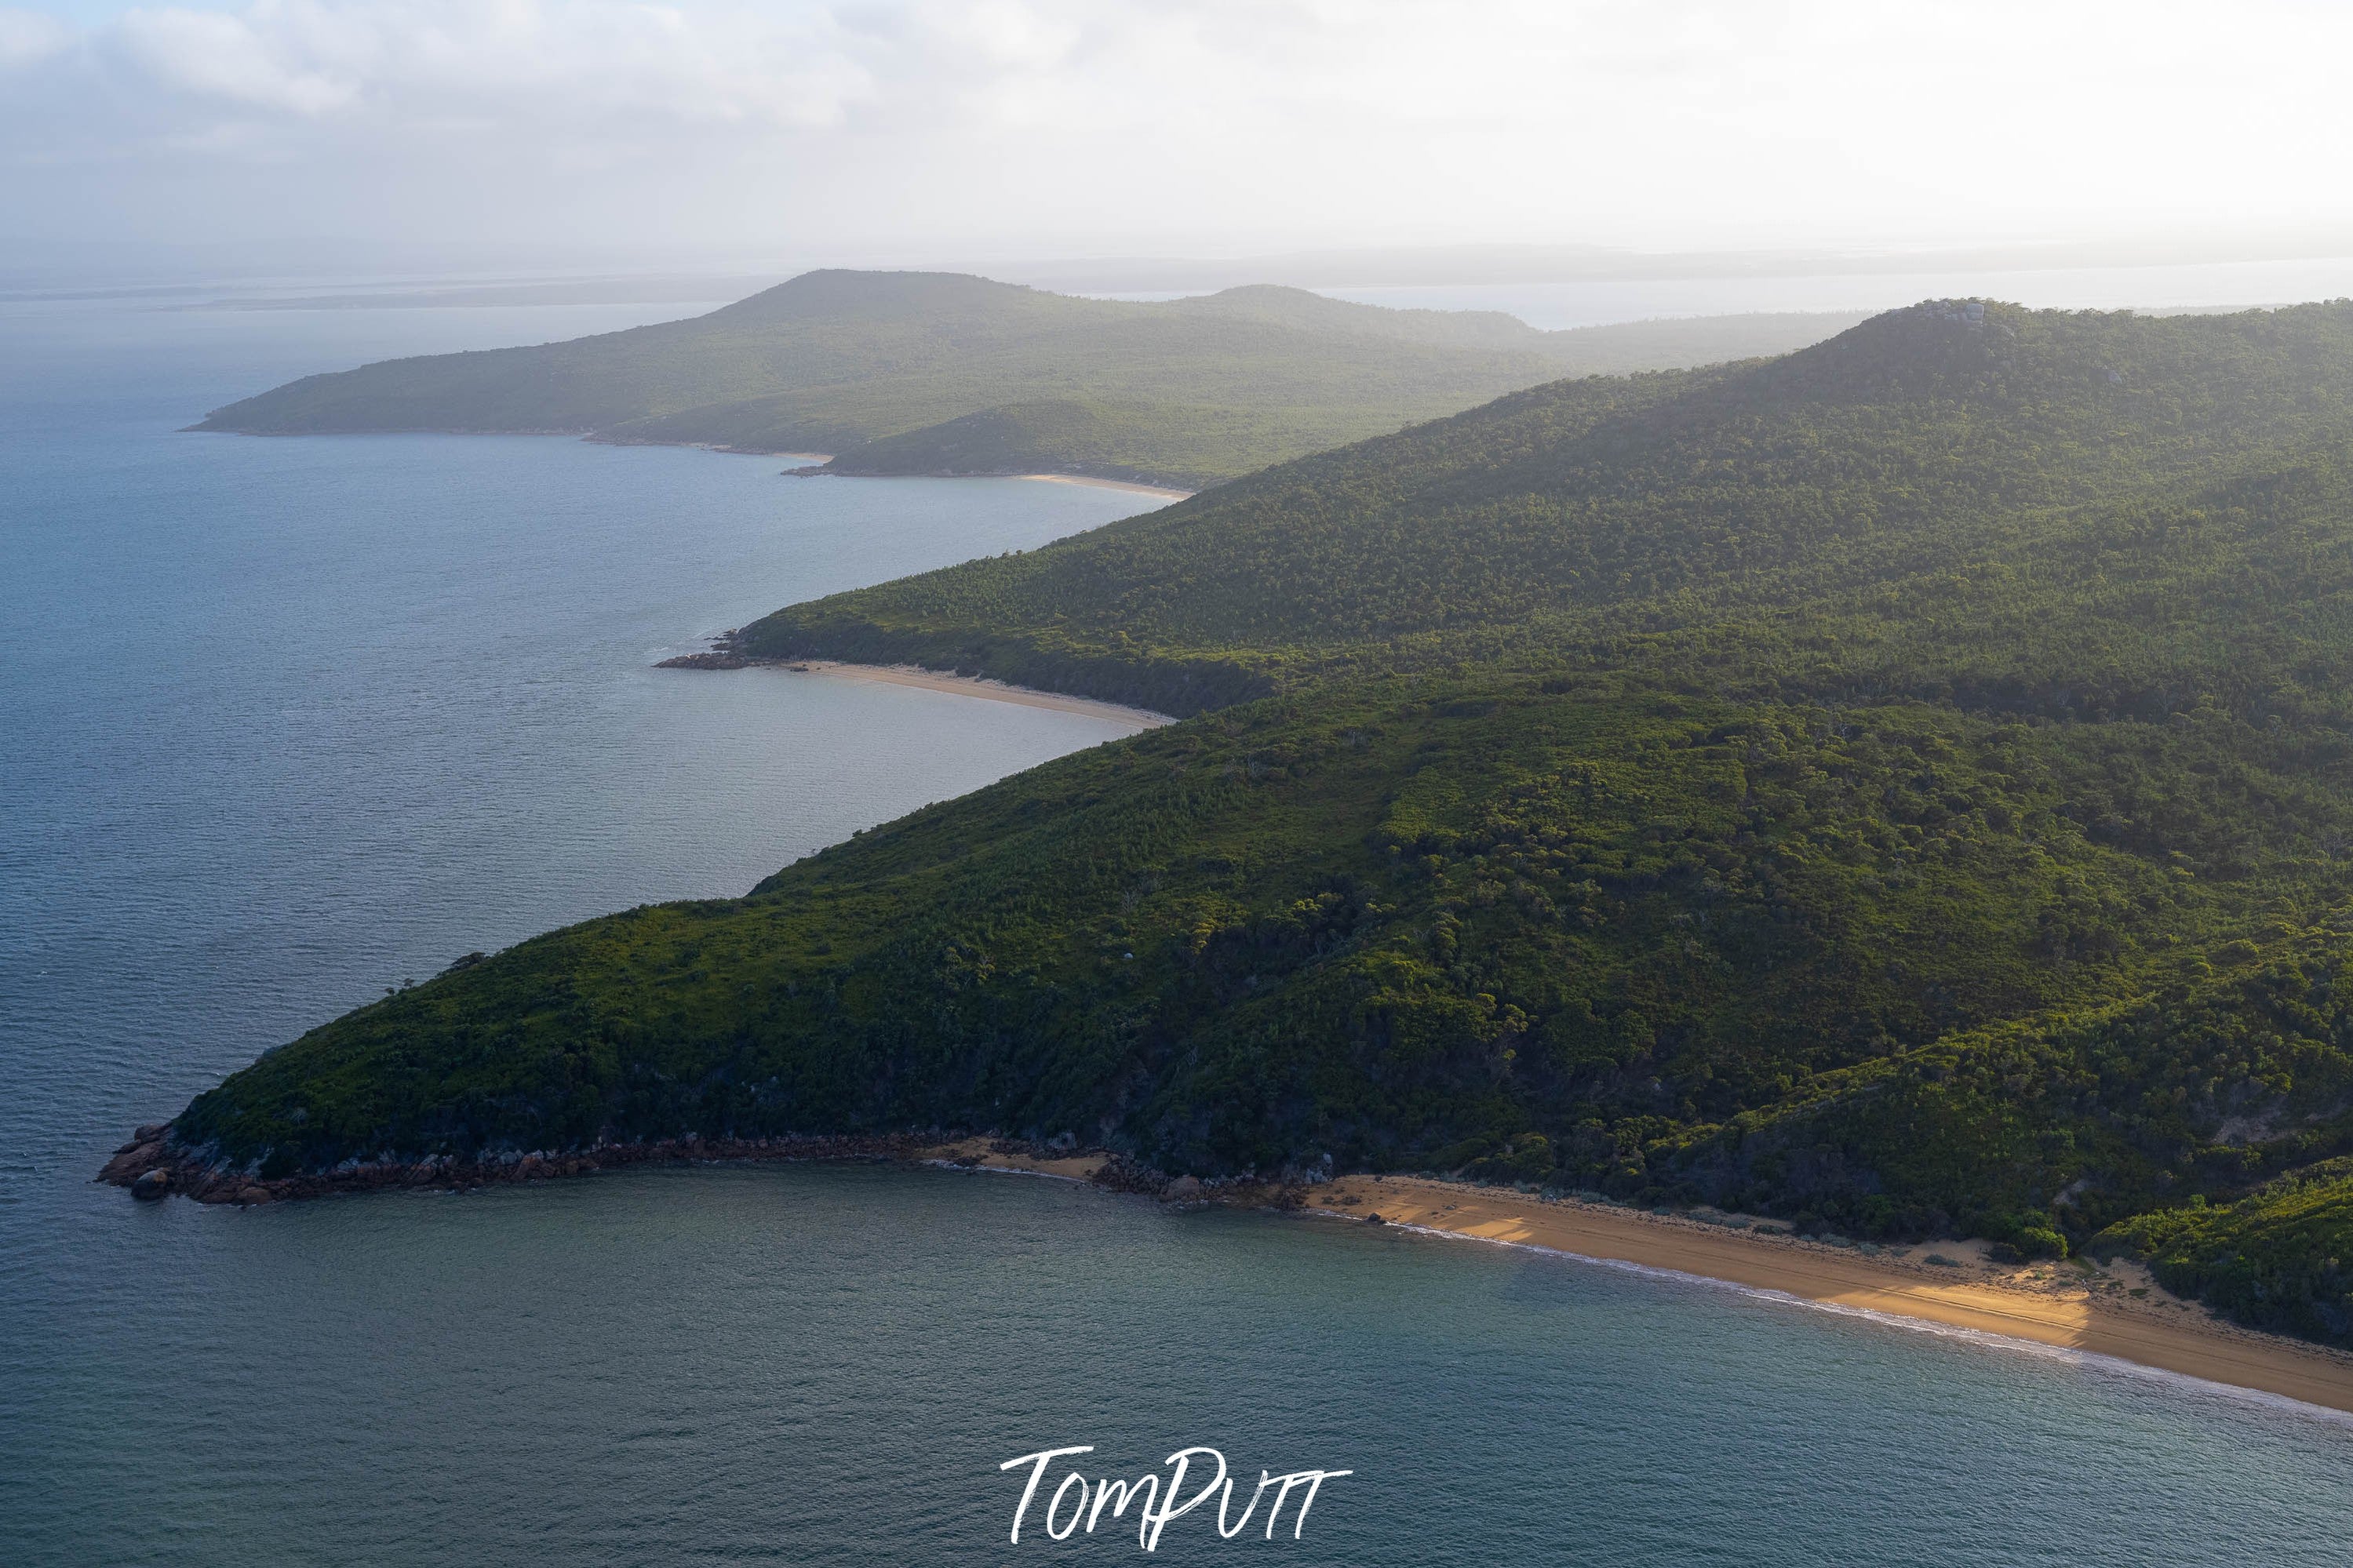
[(1902, 788), (943, 374)]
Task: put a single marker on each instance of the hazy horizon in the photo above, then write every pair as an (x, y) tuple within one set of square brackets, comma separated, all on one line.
[(427, 136), (1555, 297)]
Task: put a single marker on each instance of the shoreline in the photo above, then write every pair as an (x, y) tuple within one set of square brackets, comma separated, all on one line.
[(2070, 1307), (813, 460), (981, 686), (2115, 1312), (1133, 487), (722, 658), (1164, 491)]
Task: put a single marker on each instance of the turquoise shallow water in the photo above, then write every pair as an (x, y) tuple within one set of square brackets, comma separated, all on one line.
[(284, 723)]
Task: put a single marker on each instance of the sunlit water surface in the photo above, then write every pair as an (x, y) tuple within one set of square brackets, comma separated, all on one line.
[(284, 723)]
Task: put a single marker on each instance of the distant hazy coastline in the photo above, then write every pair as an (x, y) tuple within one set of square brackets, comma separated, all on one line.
[(936, 375)]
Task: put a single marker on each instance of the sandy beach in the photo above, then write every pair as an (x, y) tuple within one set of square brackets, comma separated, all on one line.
[(974, 686), (2115, 1311), (1110, 485), (818, 460)]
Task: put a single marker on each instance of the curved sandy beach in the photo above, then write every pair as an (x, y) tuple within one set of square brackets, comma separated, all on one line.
[(2116, 1312), (723, 656), (2072, 1306), (975, 686), (1132, 488)]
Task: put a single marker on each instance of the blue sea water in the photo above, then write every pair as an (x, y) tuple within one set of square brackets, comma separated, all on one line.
[(284, 723)]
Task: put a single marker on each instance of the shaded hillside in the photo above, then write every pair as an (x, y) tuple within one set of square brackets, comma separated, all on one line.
[(1375, 925), (1149, 443), (1905, 787), (1204, 389), (1916, 443)]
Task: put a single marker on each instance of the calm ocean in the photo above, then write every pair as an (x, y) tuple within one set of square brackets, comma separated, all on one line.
[(285, 722)]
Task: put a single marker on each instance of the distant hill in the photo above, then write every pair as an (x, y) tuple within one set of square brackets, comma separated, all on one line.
[(1905, 786), (1911, 444), (939, 373)]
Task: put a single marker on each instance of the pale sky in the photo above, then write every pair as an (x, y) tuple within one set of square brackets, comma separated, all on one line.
[(913, 128)]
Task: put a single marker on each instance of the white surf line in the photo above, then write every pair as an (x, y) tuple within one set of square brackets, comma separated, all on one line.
[(2091, 1360)]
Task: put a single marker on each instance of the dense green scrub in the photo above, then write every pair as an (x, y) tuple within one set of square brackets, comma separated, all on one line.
[(933, 372), (1917, 450), (1151, 443), (1373, 927), (1904, 787), (2275, 1259)]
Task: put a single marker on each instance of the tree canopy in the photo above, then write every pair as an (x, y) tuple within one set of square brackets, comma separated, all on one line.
[(932, 372), (1901, 786)]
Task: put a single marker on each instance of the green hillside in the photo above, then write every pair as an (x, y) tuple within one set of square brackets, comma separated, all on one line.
[(886, 369), (1914, 445), (1905, 786), (1152, 443)]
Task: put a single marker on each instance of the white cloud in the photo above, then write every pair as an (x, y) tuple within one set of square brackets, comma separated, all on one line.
[(27, 37), (236, 63), (1193, 124), (398, 63)]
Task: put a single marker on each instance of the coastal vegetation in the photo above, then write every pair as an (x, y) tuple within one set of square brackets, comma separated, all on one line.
[(2274, 1259), (900, 373), (1904, 787)]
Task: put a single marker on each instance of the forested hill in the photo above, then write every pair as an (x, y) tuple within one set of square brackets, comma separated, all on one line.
[(1905, 787), (1921, 442), (939, 373)]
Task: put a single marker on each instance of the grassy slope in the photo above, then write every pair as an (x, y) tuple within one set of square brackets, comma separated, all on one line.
[(1901, 787), (1196, 391)]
